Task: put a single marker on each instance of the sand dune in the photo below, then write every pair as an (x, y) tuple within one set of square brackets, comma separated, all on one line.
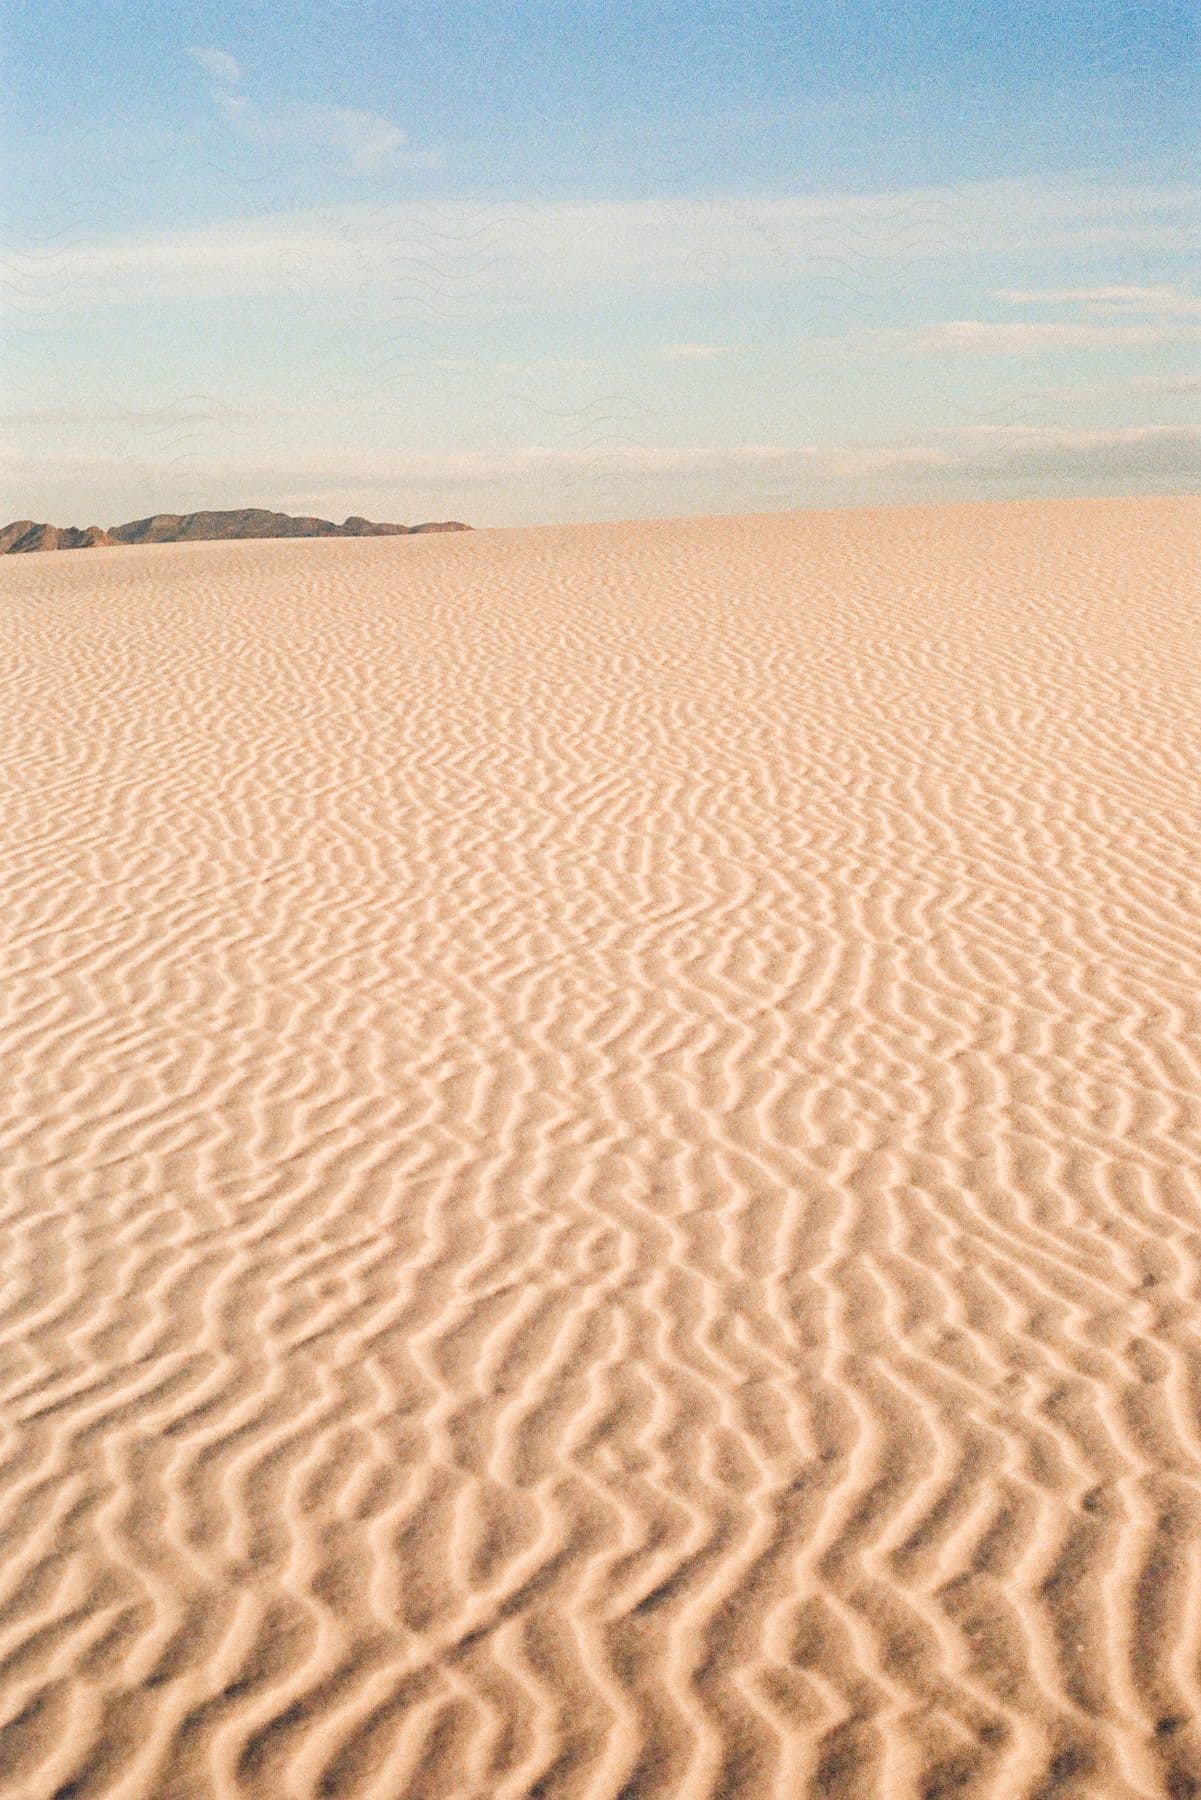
[(600, 1146)]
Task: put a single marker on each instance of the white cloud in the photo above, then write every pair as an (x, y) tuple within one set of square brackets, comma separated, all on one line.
[(364, 138), (218, 63)]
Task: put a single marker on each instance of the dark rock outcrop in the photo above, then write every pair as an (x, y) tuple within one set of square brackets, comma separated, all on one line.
[(14, 533)]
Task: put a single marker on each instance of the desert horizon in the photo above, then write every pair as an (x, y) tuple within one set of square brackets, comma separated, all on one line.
[(387, 529), (601, 1134)]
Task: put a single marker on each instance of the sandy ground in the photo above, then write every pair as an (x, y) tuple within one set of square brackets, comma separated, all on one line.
[(600, 1146)]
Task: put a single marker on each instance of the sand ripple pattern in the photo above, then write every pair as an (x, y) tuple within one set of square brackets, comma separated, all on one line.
[(600, 1151)]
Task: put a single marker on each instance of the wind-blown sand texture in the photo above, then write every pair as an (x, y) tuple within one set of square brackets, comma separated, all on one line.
[(601, 1144)]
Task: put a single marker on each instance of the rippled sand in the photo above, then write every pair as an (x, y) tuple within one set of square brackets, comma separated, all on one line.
[(600, 1162)]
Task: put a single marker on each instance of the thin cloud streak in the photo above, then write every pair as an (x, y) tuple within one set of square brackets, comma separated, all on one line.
[(991, 337), (519, 249), (1159, 300), (957, 448), (691, 352)]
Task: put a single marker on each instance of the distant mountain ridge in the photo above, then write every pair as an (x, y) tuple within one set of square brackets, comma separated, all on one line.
[(25, 535)]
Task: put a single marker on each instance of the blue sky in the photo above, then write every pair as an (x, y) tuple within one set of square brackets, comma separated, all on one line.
[(545, 261)]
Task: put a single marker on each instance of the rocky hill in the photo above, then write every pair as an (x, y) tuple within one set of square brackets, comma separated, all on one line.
[(24, 534), (181, 528)]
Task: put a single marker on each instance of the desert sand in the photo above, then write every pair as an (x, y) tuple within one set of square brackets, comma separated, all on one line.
[(601, 1144)]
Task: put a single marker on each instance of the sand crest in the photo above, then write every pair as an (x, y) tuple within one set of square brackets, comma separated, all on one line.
[(601, 1144)]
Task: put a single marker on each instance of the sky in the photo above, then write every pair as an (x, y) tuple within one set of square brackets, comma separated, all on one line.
[(535, 261)]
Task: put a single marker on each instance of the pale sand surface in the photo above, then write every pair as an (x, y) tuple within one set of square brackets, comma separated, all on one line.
[(600, 1162)]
